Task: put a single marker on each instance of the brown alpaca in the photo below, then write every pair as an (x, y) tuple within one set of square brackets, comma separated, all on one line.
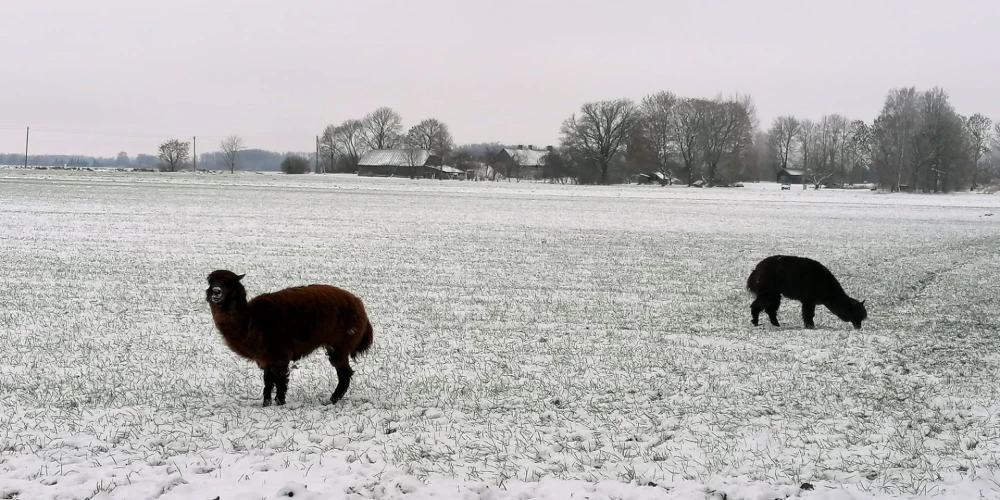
[(275, 329)]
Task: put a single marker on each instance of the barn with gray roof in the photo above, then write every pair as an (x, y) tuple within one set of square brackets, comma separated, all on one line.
[(399, 163)]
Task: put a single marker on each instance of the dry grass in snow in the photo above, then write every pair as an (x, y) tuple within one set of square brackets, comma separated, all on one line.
[(531, 341)]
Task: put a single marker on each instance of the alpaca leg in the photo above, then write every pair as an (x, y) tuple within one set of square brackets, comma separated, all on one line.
[(755, 308), (344, 372), (280, 382), (808, 313), (268, 385), (773, 303)]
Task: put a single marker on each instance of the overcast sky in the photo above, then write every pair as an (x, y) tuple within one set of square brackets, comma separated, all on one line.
[(132, 73)]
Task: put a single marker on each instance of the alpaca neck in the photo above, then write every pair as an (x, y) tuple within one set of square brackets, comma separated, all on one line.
[(840, 305), (232, 318)]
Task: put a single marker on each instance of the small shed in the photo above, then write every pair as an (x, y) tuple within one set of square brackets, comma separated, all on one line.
[(790, 176), (651, 178), (448, 172), (656, 178)]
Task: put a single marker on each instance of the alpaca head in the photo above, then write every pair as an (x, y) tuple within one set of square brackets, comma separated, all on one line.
[(858, 313), (224, 286), (855, 313)]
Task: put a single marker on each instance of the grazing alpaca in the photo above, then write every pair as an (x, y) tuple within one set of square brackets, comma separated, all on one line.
[(804, 280), (275, 329)]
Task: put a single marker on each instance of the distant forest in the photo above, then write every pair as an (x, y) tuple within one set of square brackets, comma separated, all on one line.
[(249, 159)]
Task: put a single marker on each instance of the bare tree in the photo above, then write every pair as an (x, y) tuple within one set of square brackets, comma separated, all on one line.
[(781, 141), (174, 154), (345, 142), (658, 121), (639, 154), (807, 148), (978, 129), (727, 131), (893, 135), (829, 149), (414, 158), (431, 134), (992, 168), (942, 151), (328, 148), (600, 133), (860, 150), (488, 157), (383, 129), (230, 147), (689, 118)]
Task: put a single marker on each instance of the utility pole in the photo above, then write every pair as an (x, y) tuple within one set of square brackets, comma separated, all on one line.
[(194, 154), (27, 132), (317, 154)]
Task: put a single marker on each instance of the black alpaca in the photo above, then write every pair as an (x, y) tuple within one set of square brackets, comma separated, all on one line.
[(804, 280)]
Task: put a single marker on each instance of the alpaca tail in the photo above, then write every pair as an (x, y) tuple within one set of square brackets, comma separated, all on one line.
[(366, 342)]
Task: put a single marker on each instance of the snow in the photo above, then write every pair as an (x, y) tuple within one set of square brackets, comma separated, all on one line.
[(531, 341)]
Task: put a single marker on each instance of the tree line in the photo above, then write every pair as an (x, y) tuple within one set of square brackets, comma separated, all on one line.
[(918, 142)]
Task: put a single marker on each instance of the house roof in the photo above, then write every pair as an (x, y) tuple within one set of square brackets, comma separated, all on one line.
[(792, 171), (527, 157), (394, 157)]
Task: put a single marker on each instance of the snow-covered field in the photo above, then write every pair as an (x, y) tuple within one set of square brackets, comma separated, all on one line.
[(531, 341)]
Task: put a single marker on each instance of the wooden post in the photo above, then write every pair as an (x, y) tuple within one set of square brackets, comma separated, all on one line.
[(194, 154), (27, 132)]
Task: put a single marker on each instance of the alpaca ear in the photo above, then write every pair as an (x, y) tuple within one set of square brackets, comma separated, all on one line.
[(240, 278), (863, 302)]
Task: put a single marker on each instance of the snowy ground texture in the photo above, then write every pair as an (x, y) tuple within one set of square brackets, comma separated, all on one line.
[(531, 341)]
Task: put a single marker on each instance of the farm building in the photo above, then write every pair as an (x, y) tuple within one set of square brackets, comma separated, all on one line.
[(521, 162), (446, 172), (479, 171), (399, 163), (656, 178), (790, 176)]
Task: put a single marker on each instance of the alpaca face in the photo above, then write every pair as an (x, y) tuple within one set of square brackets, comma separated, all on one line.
[(854, 314), (222, 285), (858, 312), (214, 294)]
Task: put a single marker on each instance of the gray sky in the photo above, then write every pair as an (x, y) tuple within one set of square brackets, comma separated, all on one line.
[(131, 73)]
